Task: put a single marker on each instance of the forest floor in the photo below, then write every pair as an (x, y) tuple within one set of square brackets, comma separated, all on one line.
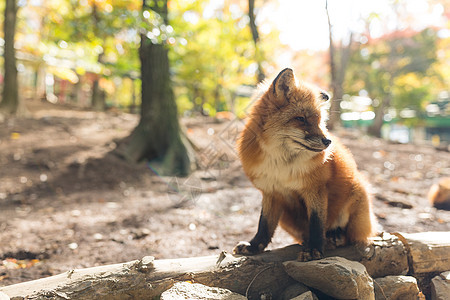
[(67, 201)]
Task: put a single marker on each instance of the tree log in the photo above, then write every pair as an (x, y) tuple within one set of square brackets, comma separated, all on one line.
[(428, 252), (250, 276), (385, 256)]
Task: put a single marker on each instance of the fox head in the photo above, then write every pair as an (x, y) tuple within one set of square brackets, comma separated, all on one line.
[(292, 115)]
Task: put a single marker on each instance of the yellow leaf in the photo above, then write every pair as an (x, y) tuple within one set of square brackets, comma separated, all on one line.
[(15, 135)]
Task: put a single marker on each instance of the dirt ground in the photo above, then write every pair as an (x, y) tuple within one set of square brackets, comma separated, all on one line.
[(67, 201)]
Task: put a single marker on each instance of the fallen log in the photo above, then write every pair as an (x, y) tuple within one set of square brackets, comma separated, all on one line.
[(249, 276), (427, 251), (385, 256), (428, 256)]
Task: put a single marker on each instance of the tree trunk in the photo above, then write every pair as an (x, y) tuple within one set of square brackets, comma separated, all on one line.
[(133, 97), (10, 95), (98, 97), (76, 92), (197, 107), (255, 35), (157, 136), (217, 103), (337, 74), (375, 128), (335, 105), (250, 276), (35, 81)]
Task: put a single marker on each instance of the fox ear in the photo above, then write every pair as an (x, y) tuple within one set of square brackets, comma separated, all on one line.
[(324, 95), (283, 85)]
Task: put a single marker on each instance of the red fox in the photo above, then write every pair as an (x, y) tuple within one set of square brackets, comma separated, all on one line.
[(439, 194), (309, 181)]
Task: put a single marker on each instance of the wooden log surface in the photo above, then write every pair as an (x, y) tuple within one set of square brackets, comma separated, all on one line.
[(428, 251), (385, 256), (250, 276)]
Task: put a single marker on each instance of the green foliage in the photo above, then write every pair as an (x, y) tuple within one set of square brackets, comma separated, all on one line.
[(211, 55), (242, 106), (411, 91), (106, 30), (184, 103), (397, 70)]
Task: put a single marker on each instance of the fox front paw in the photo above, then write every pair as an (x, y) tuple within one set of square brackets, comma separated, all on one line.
[(245, 248), (309, 255), (365, 250)]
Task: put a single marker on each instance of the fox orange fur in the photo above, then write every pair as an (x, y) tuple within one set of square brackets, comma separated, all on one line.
[(309, 181), (439, 194)]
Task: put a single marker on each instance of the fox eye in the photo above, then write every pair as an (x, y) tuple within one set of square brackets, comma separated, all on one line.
[(301, 119)]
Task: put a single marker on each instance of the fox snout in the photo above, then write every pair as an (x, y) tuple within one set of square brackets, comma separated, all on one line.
[(322, 142), (326, 141), (318, 141), (315, 143)]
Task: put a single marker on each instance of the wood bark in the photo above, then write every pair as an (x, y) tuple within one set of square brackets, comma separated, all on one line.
[(391, 74), (157, 136), (337, 72), (98, 102), (428, 252), (10, 94), (255, 35), (375, 128), (250, 276), (133, 97)]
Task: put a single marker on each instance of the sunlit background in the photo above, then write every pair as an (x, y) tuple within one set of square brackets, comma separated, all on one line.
[(64, 47), (304, 25)]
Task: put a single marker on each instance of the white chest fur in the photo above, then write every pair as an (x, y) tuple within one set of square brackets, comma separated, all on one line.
[(281, 172)]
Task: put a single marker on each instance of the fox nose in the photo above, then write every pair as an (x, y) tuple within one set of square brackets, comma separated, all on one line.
[(326, 141)]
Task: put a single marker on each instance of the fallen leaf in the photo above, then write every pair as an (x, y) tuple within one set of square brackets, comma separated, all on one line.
[(15, 135), (3, 277)]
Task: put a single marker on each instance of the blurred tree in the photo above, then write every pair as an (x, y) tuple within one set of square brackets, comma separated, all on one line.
[(412, 91), (98, 96), (255, 35), (157, 136), (339, 56), (213, 54), (103, 28), (10, 97), (383, 62)]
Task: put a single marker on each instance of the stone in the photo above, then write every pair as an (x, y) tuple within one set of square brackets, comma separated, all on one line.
[(335, 276), (196, 291), (306, 296), (396, 288), (440, 286), (293, 291), (3, 296)]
